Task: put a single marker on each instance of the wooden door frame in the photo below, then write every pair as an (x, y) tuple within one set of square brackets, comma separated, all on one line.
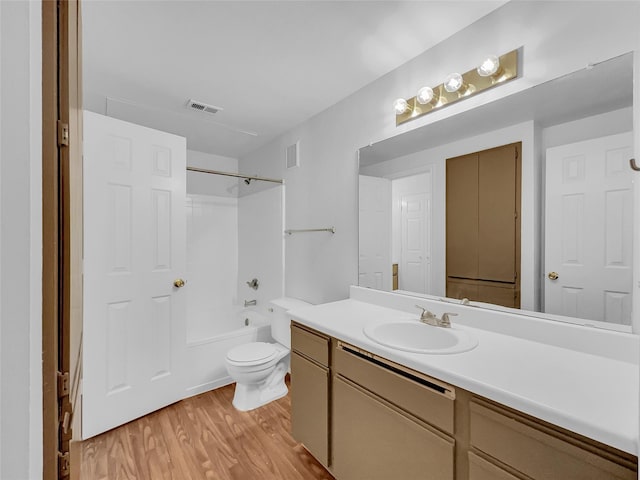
[(50, 238), (62, 229)]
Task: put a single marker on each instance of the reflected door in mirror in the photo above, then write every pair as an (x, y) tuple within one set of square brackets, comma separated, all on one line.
[(589, 229), (374, 198), (483, 230)]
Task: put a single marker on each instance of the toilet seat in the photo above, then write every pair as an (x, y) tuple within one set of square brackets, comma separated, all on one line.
[(251, 354)]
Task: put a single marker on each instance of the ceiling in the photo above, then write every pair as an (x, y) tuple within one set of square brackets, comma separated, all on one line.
[(270, 65)]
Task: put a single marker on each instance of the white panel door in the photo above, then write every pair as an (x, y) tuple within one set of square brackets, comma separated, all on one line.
[(134, 248), (374, 266), (413, 272), (589, 229)]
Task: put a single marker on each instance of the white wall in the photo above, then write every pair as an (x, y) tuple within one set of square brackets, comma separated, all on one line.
[(557, 38), (20, 241), (260, 250), (610, 123)]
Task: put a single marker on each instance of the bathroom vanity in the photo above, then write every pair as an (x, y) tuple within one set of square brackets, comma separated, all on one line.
[(498, 411)]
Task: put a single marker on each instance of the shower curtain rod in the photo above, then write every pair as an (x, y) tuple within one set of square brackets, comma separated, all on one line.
[(237, 175)]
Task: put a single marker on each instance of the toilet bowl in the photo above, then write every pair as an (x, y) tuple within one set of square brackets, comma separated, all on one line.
[(259, 368)]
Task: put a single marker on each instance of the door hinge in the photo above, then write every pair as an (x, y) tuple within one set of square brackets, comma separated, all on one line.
[(63, 384), (63, 134), (515, 215), (65, 420), (64, 469)]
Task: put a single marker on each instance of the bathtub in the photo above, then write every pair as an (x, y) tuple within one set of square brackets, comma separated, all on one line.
[(206, 356)]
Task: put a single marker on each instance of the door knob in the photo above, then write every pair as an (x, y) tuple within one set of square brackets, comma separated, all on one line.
[(553, 276), (179, 283)]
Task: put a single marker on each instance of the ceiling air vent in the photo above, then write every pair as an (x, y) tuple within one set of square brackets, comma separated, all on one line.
[(203, 107), (293, 155)]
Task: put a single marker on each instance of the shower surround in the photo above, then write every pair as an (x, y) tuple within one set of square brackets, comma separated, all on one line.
[(230, 240)]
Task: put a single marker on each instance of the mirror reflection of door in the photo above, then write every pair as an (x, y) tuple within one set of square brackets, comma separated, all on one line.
[(414, 259), (374, 266), (483, 226), (411, 246), (589, 229)]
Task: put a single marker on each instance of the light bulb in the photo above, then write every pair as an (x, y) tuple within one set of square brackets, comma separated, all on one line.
[(489, 66), (400, 105), (425, 95), (453, 82)]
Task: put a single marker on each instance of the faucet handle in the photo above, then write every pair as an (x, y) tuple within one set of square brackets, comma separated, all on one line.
[(446, 322), (426, 314)]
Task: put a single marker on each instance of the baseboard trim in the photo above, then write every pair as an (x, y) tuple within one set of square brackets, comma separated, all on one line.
[(207, 386)]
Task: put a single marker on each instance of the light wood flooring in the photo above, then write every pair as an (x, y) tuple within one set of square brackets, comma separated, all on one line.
[(202, 437)]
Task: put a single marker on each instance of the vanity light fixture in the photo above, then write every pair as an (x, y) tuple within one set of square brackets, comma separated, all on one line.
[(453, 82), (490, 67), (400, 105), (491, 72), (425, 95)]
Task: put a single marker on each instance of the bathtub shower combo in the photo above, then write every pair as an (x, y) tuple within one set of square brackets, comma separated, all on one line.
[(234, 269)]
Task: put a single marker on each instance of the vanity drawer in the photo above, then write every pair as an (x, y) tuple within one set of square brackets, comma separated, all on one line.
[(424, 397), (312, 344), (542, 452), (480, 469)]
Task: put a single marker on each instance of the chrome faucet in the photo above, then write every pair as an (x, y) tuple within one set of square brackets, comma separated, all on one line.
[(430, 319), (250, 303)]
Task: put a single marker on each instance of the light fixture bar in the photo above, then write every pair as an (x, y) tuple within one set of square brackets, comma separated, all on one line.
[(474, 83)]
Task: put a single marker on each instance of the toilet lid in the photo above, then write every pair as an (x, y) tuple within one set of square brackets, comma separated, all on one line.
[(252, 353)]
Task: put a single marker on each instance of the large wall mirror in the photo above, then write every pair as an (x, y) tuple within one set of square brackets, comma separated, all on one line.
[(574, 217)]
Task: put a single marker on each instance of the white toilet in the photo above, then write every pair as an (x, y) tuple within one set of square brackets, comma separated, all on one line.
[(259, 368)]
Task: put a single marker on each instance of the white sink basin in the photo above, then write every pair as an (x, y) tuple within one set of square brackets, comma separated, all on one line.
[(417, 337)]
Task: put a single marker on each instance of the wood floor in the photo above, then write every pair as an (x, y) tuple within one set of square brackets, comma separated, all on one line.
[(202, 437)]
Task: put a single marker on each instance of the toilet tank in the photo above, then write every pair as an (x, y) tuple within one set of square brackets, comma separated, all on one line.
[(280, 320)]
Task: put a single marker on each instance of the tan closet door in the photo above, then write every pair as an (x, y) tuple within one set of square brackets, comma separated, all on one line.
[(497, 174), (462, 216)]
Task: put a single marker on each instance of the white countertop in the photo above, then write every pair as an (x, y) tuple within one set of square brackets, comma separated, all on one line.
[(588, 394)]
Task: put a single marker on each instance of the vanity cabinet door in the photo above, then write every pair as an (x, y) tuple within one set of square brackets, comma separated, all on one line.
[(373, 440), (310, 406)]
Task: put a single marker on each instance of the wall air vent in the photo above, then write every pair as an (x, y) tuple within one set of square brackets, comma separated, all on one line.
[(203, 107), (293, 155)]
